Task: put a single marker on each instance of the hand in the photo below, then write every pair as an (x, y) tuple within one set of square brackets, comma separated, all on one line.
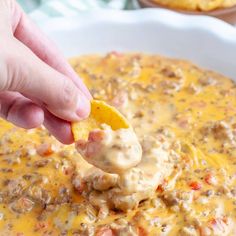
[(37, 85)]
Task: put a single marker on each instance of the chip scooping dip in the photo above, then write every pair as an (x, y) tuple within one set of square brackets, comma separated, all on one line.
[(106, 140), (101, 113)]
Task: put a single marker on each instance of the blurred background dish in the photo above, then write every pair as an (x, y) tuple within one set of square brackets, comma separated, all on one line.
[(222, 9), (195, 5)]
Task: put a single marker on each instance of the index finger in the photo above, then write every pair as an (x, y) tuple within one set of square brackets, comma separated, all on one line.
[(29, 34)]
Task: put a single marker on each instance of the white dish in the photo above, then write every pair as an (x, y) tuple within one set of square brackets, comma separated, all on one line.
[(206, 41)]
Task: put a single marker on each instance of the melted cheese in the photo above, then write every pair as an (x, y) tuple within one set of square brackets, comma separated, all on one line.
[(45, 185)]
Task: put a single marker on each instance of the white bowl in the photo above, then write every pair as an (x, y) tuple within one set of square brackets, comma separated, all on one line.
[(206, 41)]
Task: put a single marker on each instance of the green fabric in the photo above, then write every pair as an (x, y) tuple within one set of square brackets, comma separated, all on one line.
[(29, 5), (53, 8)]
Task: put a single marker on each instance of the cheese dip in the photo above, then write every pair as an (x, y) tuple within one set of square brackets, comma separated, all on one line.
[(184, 118)]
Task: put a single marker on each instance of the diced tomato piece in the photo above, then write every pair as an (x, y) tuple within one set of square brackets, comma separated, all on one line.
[(161, 187), (81, 145), (117, 54), (215, 221), (96, 135), (195, 185), (41, 225), (225, 219), (120, 99), (79, 184), (93, 149), (142, 232), (183, 123), (204, 231), (214, 226), (45, 149), (68, 170), (219, 224), (210, 179), (104, 231)]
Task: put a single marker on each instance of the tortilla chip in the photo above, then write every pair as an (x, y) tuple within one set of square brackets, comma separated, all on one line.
[(207, 5), (101, 113)]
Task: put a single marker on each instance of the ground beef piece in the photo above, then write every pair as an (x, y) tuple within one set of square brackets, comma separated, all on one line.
[(127, 230), (124, 202), (41, 163), (100, 180), (78, 183), (221, 130), (22, 205), (64, 195), (170, 199), (205, 81), (14, 188), (38, 194)]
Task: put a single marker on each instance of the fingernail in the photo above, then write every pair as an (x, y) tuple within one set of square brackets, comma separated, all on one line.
[(79, 83), (83, 107), (85, 91)]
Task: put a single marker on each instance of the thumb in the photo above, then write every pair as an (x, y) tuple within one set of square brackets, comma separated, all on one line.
[(30, 76)]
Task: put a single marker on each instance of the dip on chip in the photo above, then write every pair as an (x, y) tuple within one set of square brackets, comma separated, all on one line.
[(113, 148), (113, 151)]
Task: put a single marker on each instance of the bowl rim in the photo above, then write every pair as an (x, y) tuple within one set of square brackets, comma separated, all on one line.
[(215, 12), (219, 31), (164, 16)]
